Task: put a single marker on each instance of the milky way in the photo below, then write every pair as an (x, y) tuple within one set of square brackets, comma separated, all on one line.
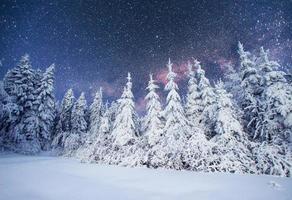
[(95, 43)]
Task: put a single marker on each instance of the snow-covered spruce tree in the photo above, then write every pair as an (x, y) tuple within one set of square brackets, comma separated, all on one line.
[(126, 149), (124, 129), (231, 152), (207, 101), (264, 89), (94, 122), (95, 112), (168, 152), (152, 124), (251, 84), (19, 83), (205, 88), (102, 145), (79, 126), (273, 152), (8, 117), (193, 107), (64, 127), (197, 152), (12, 82), (45, 106), (276, 101)]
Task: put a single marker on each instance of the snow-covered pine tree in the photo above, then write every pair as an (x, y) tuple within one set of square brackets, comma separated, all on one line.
[(102, 145), (169, 151), (207, 101), (193, 102), (101, 148), (205, 88), (95, 115), (95, 112), (45, 102), (231, 152), (273, 152), (13, 82), (197, 152), (66, 111), (8, 116), (152, 124), (251, 84), (126, 149), (124, 128), (276, 101), (19, 83), (78, 124), (64, 127)]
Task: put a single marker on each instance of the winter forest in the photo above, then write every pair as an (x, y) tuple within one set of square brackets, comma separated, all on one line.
[(240, 124)]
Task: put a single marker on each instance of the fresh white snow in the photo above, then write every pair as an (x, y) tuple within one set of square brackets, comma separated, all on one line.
[(48, 178)]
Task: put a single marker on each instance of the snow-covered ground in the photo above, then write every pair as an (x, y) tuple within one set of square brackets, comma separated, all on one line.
[(45, 177)]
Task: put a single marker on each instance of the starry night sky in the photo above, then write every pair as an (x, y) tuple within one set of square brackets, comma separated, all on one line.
[(95, 43)]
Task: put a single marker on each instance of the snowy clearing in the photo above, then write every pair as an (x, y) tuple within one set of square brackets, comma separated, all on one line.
[(45, 177)]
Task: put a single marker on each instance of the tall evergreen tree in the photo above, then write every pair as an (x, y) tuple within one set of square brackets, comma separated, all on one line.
[(273, 154), (198, 150), (207, 101), (19, 84), (102, 145), (79, 126), (124, 128), (95, 112), (193, 103), (78, 122), (169, 152), (231, 143), (205, 88), (8, 117), (251, 84), (90, 139), (66, 111), (45, 102), (276, 101), (153, 126), (64, 127), (173, 112), (126, 149)]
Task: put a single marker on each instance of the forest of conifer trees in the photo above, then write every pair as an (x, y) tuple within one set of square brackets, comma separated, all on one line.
[(240, 124)]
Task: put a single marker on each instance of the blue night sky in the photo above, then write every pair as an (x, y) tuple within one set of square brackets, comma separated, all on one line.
[(95, 43)]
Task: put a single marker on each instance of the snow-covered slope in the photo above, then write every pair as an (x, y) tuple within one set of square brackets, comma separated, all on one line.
[(45, 177)]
